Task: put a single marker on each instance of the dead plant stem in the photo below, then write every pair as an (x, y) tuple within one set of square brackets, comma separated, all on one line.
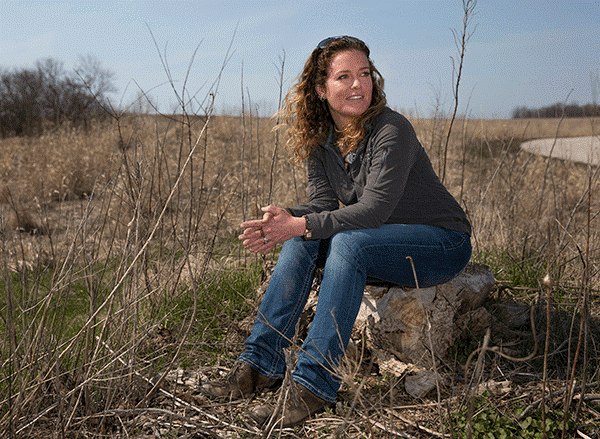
[(461, 44), (277, 121)]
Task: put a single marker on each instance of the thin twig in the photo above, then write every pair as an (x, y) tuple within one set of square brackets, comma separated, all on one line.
[(416, 424), (430, 340), (179, 401), (461, 43)]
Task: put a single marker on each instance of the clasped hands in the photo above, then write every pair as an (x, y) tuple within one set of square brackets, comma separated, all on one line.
[(277, 225)]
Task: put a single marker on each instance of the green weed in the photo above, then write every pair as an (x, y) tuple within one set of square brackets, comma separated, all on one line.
[(525, 270), (490, 421), (221, 298)]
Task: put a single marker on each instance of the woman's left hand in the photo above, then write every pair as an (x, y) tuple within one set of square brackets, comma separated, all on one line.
[(276, 225)]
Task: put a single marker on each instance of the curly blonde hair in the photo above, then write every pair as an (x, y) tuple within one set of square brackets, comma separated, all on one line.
[(307, 116)]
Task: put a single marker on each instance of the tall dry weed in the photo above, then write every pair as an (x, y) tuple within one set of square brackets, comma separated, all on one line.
[(81, 296), (105, 232), (133, 213)]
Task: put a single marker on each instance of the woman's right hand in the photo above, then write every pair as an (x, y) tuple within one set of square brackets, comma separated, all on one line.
[(276, 225)]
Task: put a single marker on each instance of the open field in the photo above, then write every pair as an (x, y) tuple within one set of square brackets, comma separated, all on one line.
[(121, 269)]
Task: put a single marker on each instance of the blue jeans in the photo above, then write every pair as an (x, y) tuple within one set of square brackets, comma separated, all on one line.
[(349, 258)]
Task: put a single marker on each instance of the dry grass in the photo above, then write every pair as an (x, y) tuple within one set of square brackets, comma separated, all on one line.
[(105, 232)]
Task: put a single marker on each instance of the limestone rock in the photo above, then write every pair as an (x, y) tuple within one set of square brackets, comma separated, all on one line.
[(421, 383), (418, 324), (407, 329)]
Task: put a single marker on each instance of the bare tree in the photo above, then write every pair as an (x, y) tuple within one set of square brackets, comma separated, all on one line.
[(33, 99)]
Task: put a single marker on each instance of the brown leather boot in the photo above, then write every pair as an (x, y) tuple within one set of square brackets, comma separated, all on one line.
[(296, 409), (242, 382)]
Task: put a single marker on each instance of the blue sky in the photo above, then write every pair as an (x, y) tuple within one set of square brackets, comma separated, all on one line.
[(522, 53)]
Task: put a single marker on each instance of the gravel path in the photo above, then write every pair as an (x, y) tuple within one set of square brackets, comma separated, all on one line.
[(576, 149)]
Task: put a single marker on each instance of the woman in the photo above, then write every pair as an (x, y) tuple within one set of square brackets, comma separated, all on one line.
[(375, 207)]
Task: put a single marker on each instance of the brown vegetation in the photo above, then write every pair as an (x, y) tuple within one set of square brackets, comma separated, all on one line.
[(105, 233)]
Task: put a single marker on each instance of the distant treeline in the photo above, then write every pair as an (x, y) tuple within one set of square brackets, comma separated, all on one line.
[(557, 110), (32, 100)]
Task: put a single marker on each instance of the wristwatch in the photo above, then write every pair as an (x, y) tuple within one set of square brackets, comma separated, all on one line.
[(307, 229)]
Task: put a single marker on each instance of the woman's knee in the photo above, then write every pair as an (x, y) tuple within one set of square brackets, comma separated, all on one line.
[(348, 245), (298, 253), (299, 246)]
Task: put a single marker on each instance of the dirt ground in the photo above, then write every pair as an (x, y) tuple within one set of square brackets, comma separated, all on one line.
[(576, 149)]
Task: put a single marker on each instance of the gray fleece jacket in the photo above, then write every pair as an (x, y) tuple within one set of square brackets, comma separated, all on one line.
[(391, 181)]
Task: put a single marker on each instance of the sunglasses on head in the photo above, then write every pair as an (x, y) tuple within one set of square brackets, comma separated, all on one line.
[(327, 41)]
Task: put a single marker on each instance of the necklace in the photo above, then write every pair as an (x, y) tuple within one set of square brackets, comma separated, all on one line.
[(350, 157)]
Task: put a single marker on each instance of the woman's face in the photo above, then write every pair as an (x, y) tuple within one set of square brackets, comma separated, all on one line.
[(348, 87)]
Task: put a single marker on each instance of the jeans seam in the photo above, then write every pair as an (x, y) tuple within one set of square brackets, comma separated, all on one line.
[(454, 245), (281, 338)]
